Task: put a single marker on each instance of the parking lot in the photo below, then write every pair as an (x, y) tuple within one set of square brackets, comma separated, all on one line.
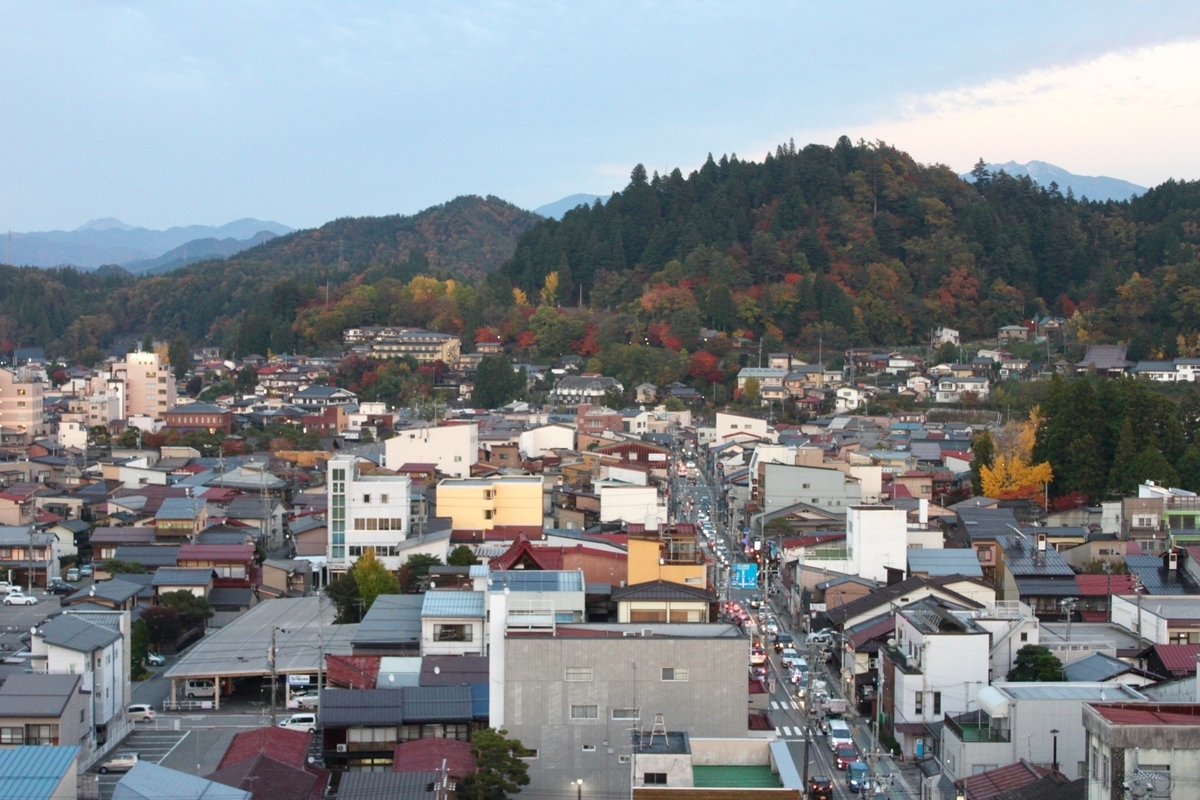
[(151, 744)]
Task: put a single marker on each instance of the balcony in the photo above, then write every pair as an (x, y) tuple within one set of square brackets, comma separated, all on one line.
[(903, 662), (976, 727)]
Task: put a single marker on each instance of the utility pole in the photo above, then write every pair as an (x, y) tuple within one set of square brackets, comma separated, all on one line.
[(271, 663), (29, 577)]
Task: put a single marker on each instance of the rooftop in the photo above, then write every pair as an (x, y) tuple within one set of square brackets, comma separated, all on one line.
[(735, 777), (453, 603), (1149, 713), (72, 632), (32, 772), (149, 781), (392, 618)]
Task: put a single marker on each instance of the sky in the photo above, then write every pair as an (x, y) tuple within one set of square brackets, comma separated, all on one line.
[(178, 113)]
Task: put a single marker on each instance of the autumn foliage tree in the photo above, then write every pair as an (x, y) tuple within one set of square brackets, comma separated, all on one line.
[(1011, 474)]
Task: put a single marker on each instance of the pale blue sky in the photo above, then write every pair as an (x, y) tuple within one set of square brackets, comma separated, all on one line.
[(172, 113)]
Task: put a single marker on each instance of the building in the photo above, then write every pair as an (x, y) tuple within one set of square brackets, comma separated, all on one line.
[(361, 727), (1151, 747), (46, 710), (937, 666), (1013, 333), (365, 511), (453, 448), (424, 347), (317, 398), (956, 390), (452, 623), (206, 417), (144, 383), (1014, 720), (22, 418), (149, 781), (571, 693), (575, 389), (39, 773), (945, 335), (484, 504), (22, 549)]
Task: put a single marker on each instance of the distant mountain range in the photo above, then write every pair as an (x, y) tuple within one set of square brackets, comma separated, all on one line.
[(556, 209), (111, 241), (1092, 187)]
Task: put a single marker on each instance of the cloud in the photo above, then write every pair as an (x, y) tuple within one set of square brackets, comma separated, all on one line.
[(1129, 114)]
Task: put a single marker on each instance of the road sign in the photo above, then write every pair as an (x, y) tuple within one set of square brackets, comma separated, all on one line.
[(745, 576)]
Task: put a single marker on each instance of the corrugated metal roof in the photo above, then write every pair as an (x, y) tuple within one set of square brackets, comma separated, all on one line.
[(1178, 657), (36, 694), (437, 703), (1022, 558), (31, 772), (138, 535), (1046, 587), (453, 603), (149, 781), (281, 744), (1096, 667), (407, 704), (949, 561), (188, 508), (1149, 569), (1102, 585), (241, 553), (392, 785), (148, 555), (392, 618)]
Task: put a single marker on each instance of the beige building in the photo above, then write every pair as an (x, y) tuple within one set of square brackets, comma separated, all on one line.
[(144, 383), (394, 342), (21, 416), (483, 504)]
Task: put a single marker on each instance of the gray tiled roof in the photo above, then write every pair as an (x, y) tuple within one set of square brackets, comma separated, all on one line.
[(149, 781), (116, 590), (181, 576), (149, 555), (392, 619), (390, 785), (36, 694), (1023, 559), (1047, 587), (662, 590), (407, 704), (188, 508), (74, 633)]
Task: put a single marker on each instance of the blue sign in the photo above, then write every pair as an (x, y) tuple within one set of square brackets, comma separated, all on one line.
[(745, 576)]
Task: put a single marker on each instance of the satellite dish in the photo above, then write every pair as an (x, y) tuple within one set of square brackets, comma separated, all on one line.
[(506, 590), (312, 760), (33, 630), (391, 677), (891, 642), (437, 670)]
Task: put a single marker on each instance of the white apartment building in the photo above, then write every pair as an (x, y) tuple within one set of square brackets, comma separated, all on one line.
[(453, 448), (22, 417), (365, 511), (730, 426)]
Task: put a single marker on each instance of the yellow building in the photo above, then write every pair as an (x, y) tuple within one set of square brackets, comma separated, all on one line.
[(672, 556), (482, 504)]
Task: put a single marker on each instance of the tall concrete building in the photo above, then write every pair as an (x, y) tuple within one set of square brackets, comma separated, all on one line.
[(21, 407), (144, 383), (365, 511)]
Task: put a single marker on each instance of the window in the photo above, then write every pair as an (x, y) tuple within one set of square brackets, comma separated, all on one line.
[(12, 736), (487, 514), (622, 759), (589, 748), (937, 702), (530, 754), (451, 633), (383, 498), (919, 702), (674, 673), (458, 459), (578, 674), (626, 713), (585, 712), (654, 779), (41, 734), (1024, 636), (366, 498)]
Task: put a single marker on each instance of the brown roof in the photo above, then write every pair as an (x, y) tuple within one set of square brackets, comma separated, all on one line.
[(281, 744), (427, 755), (268, 779), (358, 672), (995, 782)]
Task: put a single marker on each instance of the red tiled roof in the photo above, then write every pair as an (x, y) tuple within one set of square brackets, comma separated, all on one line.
[(1103, 585), (757, 686), (426, 755), (241, 553), (286, 746), (881, 628), (268, 779), (1132, 548), (1177, 658), (546, 558), (806, 541), (1149, 713), (987, 785), (359, 672), (759, 722), (417, 466), (44, 517), (1093, 616)]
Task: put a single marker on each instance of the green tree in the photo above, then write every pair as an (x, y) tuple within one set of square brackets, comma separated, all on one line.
[(500, 771), (163, 625), (114, 567), (751, 390), (192, 610), (373, 579), (983, 454), (1036, 663), (344, 593), (495, 382), (461, 556), (414, 575), (139, 646), (179, 353)]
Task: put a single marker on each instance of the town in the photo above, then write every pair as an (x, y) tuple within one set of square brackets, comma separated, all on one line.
[(283, 590)]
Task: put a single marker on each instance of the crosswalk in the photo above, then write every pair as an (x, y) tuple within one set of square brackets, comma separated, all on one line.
[(786, 732), (792, 704)]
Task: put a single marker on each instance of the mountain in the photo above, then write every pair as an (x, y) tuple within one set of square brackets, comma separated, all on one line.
[(196, 250), (1092, 187), (111, 241), (556, 209)]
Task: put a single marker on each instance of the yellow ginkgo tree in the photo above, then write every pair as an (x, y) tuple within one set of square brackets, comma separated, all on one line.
[(1012, 475)]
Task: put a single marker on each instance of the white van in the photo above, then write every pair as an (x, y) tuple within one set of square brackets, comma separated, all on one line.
[(305, 723), (199, 688), (839, 734)]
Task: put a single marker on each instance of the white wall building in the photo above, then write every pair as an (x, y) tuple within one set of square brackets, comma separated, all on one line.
[(729, 426), (365, 511), (536, 442), (94, 645), (628, 503), (452, 447)]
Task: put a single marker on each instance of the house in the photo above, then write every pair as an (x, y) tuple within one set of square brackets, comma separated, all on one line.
[(663, 601), (369, 723), (766, 376), (849, 398), (1105, 359), (392, 626), (180, 517), (452, 623), (205, 417), (645, 393), (286, 577), (944, 335), (396, 785), (196, 581), (575, 389), (17, 558), (432, 755), (366, 510), (1019, 781), (117, 593), (149, 781), (231, 563), (315, 398), (956, 390), (45, 710), (1013, 333), (1149, 746)]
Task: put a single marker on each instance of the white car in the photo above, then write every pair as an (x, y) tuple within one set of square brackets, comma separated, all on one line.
[(156, 660), (20, 599), (300, 722), (122, 762), (140, 713)]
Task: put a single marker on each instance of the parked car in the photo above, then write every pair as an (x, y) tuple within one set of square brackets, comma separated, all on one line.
[(300, 722), (845, 755), (6, 587), (60, 587), (155, 659), (787, 656), (72, 574), (86, 570), (140, 713), (121, 762), (19, 598), (821, 637)]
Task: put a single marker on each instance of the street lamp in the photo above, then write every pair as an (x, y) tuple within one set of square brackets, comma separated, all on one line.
[(1054, 757), (579, 789)]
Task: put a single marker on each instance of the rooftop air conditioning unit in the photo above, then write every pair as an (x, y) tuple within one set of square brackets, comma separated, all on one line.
[(341, 748)]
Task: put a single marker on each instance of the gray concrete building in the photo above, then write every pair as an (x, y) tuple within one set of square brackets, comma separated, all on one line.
[(830, 489), (575, 693)]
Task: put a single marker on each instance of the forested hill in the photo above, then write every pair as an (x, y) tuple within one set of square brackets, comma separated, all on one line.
[(774, 244), (70, 312)]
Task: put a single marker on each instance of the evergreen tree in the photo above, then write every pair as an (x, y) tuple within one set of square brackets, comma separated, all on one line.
[(500, 770), (983, 454), (1036, 663), (496, 383)]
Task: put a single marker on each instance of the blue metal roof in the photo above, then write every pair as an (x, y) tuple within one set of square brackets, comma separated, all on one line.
[(951, 561), (536, 580), (32, 772), (453, 603)]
